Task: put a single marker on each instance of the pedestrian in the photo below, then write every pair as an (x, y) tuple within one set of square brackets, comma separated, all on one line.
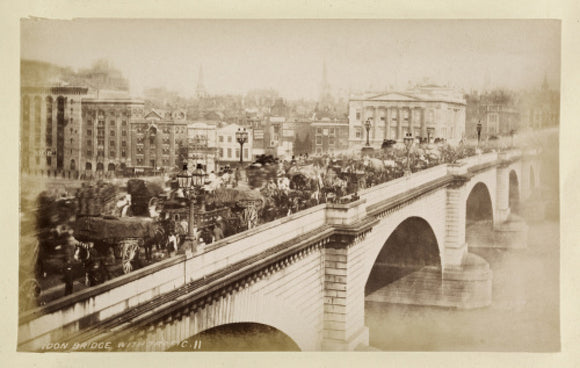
[(68, 278), (171, 244), (218, 233), (109, 264)]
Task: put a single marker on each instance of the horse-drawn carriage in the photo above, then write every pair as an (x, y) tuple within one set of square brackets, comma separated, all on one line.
[(120, 236)]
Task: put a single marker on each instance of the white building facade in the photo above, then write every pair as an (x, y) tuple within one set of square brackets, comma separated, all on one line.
[(228, 148), (437, 111), (202, 144)]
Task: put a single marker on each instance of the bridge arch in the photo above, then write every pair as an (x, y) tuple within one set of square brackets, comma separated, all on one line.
[(514, 191), (532, 178), (411, 246), (479, 205), (250, 306), (239, 336)]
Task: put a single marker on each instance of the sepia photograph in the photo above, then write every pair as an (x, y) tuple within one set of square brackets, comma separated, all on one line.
[(313, 185)]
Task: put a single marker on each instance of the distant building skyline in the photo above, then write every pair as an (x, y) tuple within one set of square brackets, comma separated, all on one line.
[(287, 55)]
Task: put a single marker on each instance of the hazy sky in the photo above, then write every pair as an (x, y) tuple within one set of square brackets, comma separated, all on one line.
[(287, 55)]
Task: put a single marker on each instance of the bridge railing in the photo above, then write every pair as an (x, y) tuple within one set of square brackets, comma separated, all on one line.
[(87, 307), (82, 309), (398, 186), (252, 242), (485, 158)]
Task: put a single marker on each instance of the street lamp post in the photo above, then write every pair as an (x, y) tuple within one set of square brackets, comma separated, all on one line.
[(367, 149), (190, 183), (478, 133), (242, 137), (368, 128), (408, 143)]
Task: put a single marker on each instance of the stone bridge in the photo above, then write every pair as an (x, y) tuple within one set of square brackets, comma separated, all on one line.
[(307, 275)]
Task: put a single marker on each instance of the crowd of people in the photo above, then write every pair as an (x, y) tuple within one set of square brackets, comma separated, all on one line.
[(265, 190)]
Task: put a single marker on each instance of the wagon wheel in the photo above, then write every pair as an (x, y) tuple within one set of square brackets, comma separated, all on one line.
[(129, 250), (30, 291)]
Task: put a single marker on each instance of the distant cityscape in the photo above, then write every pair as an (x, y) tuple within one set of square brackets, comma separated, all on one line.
[(86, 123)]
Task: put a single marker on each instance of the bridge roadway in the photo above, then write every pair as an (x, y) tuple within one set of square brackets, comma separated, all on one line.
[(301, 274)]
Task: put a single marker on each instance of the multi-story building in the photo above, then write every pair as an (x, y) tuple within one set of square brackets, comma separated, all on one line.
[(418, 111), (51, 130), (228, 146), (540, 108), (202, 144), (329, 136), (106, 133), (157, 142), (496, 111)]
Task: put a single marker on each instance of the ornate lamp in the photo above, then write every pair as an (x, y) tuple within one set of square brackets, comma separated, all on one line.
[(368, 128), (408, 143), (189, 183), (242, 137)]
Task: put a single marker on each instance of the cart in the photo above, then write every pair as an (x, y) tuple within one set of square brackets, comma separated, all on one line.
[(125, 234)]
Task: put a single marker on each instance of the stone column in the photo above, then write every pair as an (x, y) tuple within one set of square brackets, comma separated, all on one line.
[(399, 124), (466, 278), (386, 131), (525, 190), (343, 258), (512, 234), (502, 204), (455, 246), (423, 122), (411, 130), (375, 122)]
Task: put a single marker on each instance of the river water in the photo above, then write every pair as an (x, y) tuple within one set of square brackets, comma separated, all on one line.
[(523, 316)]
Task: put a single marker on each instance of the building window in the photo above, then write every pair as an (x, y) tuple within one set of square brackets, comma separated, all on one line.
[(124, 133), (230, 139), (331, 140), (332, 131), (89, 142), (124, 143), (237, 153), (318, 140), (112, 133), (357, 114), (123, 153), (89, 154), (406, 115), (221, 152), (111, 153), (318, 130), (89, 132), (229, 153), (245, 153), (357, 133)]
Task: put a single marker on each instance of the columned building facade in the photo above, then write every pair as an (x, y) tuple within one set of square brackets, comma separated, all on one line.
[(423, 113), (50, 126)]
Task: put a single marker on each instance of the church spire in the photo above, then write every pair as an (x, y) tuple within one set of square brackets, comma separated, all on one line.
[(200, 90), (325, 95)]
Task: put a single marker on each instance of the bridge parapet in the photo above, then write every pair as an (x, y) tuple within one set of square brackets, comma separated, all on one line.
[(401, 185), (339, 227), (346, 214), (483, 159)]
